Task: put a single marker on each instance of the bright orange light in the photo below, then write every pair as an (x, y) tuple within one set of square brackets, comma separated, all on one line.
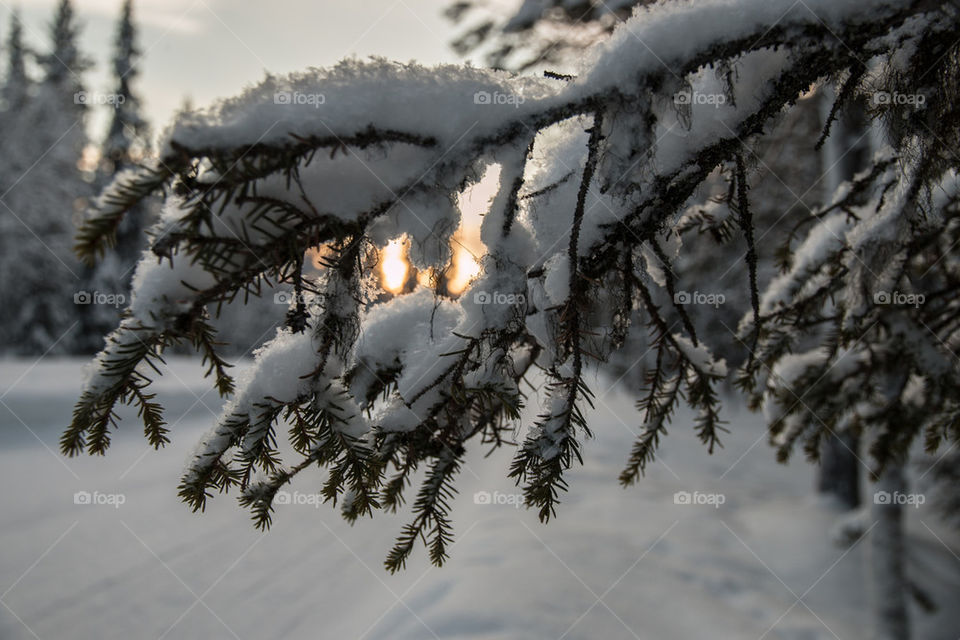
[(394, 266), (465, 268), (466, 244), (474, 202)]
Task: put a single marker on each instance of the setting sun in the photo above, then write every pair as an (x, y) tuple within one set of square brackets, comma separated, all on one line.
[(466, 245), (394, 266), (465, 267)]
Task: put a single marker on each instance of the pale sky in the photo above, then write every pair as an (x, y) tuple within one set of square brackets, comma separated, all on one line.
[(204, 49)]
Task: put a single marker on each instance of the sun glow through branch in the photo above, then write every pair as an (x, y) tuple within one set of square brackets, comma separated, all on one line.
[(394, 266), (465, 267), (466, 246)]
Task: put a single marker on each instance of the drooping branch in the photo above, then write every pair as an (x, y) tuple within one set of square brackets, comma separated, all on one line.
[(370, 387)]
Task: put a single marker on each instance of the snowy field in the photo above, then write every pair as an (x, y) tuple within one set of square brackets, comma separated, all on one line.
[(615, 564)]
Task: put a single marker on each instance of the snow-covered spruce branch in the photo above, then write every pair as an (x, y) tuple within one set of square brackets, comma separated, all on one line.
[(552, 443), (876, 283), (593, 184)]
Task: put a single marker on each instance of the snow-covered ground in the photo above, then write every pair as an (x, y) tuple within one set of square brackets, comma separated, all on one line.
[(615, 564)]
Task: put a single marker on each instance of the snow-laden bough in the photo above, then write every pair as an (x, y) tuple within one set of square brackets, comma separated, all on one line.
[(598, 175)]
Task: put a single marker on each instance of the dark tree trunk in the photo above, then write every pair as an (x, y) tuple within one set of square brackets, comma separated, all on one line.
[(839, 471), (888, 559), (844, 153)]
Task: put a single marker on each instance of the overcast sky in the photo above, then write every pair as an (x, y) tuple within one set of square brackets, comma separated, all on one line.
[(204, 49)]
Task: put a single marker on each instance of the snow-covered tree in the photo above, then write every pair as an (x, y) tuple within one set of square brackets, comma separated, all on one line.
[(127, 138), (16, 85), (582, 232), (41, 189), (64, 63), (126, 143)]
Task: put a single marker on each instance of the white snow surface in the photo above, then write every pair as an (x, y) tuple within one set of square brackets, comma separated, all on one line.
[(828, 237), (150, 568), (346, 98), (557, 282), (414, 328), (700, 357), (448, 102)]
